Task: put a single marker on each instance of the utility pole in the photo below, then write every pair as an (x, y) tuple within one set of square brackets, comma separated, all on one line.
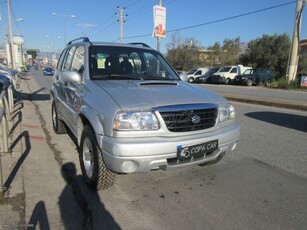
[(11, 44), (294, 51), (158, 38), (121, 21)]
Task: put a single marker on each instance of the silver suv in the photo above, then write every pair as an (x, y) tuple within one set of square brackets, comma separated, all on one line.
[(130, 112)]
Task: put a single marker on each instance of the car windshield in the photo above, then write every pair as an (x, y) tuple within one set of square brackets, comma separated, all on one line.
[(224, 69), (248, 72), (128, 63), (192, 71)]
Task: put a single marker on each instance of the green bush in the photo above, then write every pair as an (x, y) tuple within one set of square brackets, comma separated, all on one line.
[(282, 83)]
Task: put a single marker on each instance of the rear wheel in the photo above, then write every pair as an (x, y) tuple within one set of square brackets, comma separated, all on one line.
[(268, 83), (58, 125), (94, 171)]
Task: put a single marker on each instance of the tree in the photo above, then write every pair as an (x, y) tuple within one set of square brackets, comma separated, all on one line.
[(231, 51), (33, 53), (228, 53), (183, 54), (270, 52)]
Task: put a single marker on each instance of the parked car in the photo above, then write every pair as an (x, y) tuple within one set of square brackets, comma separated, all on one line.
[(48, 71), (130, 112), (255, 77), (206, 78), (9, 77), (196, 72), (226, 74), (6, 81), (13, 72)]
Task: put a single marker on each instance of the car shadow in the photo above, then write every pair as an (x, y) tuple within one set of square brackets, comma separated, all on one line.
[(80, 207), (292, 121)]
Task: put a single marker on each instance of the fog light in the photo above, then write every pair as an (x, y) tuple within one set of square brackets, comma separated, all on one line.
[(129, 166)]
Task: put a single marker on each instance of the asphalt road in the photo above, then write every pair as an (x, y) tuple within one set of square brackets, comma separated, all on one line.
[(261, 185)]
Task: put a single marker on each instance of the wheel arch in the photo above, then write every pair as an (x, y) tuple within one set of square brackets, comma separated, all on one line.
[(88, 117)]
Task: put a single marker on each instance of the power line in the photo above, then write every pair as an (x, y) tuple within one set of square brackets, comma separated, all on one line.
[(217, 21)]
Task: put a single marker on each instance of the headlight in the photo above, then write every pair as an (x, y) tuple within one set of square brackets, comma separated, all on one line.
[(227, 112), (135, 121), (244, 78)]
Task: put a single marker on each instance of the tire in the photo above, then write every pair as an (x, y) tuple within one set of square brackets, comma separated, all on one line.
[(58, 125), (268, 83), (228, 81), (94, 171), (249, 82), (191, 80)]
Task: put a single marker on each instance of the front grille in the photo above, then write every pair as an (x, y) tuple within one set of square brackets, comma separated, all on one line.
[(190, 119)]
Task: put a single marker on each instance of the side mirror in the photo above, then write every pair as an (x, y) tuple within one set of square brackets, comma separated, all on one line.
[(70, 77)]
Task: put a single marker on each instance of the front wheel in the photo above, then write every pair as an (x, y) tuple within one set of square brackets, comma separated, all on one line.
[(191, 80), (249, 82), (94, 171)]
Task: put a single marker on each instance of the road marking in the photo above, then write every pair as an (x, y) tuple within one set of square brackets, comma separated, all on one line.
[(31, 126), (36, 137)]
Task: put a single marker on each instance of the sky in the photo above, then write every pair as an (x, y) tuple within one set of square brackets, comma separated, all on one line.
[(207, 21)]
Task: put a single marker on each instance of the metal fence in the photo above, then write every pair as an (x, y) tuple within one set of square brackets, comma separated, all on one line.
[(6, 112)]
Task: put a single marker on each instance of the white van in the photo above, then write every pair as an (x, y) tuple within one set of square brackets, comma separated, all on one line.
[(196, 72), (226, 74)]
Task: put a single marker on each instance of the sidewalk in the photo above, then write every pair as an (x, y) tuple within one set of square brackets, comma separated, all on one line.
[(12, 204), (28, 169)]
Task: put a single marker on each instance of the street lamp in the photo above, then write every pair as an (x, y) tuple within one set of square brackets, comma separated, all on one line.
[(64, 17)]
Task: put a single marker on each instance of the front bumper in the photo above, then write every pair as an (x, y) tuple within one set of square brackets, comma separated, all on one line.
[(218, 80), (130, 155)]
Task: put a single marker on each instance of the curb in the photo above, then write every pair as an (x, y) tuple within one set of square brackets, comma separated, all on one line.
[(287, 105)]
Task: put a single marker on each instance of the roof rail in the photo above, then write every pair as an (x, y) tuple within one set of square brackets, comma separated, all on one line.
[(83, 39), (140, 44)]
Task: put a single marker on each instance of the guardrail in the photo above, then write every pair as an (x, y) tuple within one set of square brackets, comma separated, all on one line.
[(6, 111)]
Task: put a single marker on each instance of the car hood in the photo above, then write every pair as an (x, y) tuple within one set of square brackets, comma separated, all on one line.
[(149, 94)]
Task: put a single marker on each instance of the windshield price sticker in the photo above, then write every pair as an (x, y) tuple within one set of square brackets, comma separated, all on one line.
[(187, 152)]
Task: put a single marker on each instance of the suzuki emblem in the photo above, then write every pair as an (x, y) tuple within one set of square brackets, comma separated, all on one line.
[(195, 119)]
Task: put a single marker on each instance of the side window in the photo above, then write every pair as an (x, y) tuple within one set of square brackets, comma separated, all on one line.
[(198, 72), (234, 70), (78, 60), (68, 58)]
